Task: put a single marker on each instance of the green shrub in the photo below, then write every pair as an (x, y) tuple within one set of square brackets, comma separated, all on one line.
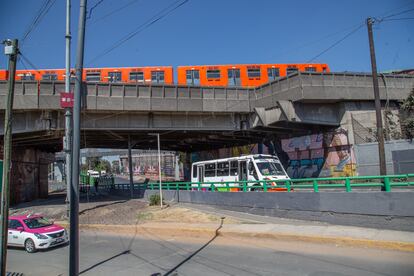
[(154, 200)]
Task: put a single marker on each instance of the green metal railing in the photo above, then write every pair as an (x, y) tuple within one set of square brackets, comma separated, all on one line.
[(87, 181), (385, 183)]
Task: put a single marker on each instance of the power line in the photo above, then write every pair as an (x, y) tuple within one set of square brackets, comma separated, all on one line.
[(160, 15), (47, 5), (395, 14), (26, 59), (336, 43), (397, 19), (89, 13), (114, 11)]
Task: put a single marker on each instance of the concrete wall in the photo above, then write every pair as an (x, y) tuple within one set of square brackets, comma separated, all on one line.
[(394, 210), (29, 174), (399, 157)]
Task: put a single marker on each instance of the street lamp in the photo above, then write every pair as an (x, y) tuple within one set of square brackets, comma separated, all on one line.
[(159, 163)]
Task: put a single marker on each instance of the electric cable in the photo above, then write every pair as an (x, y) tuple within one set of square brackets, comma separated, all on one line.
[(113, 12), (47, 5), (89, 13), (160, 15), (336, 43)]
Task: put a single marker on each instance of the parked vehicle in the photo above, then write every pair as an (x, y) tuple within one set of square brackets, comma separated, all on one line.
[(245, 168), (34, 232)]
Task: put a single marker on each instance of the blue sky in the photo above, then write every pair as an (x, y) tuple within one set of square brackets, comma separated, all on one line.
[(216, 32)]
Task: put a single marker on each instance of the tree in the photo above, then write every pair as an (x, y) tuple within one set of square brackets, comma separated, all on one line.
[(408, 109)]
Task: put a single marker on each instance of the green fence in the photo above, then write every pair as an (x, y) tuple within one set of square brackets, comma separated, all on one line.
[(385, 183), (86, 180)]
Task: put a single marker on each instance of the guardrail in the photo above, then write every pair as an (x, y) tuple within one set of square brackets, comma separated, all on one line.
[(385, 183), (103, 182)]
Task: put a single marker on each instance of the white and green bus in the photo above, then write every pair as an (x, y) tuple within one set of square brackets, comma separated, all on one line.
[(249, 168)]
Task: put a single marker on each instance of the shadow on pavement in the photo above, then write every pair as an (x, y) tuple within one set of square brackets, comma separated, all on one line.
[(169, 272), (195, 252)]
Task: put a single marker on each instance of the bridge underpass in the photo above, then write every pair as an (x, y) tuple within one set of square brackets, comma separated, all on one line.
[(193, 118)]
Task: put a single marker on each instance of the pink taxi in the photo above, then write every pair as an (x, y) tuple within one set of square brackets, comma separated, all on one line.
[(34, 232)]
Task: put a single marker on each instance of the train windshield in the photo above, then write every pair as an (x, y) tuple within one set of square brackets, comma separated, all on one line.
[(270, 168)]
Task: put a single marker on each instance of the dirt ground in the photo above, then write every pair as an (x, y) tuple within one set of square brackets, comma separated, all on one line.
[(114, 210)]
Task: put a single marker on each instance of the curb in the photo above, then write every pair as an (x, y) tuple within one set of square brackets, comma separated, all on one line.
[(209, 230)]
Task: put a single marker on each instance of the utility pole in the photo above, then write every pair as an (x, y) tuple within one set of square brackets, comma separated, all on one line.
[(380, 130), (74, 192), (11, 49), (67, 141), (131, 173)]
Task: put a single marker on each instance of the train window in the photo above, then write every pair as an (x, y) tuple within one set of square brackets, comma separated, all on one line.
[(273, 73), (233, 77), (234, 167), (157, 76), (310, 69), (27, 77), (93, 76), (291, 70), (192, 76), (210, 170), (136, 76), (49, 77), (115, 76), (253, 72), (213, 74), (222, 168)]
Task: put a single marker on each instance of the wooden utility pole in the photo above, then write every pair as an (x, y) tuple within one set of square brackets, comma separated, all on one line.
[(380, 130), (11, 49)]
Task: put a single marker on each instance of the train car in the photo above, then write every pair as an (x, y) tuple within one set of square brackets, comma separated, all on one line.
[(36, 75), (4, 75), (245, 75), (152, 74), (149, 74)]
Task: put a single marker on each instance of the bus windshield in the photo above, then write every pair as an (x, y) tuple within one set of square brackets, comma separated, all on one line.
[(270, 168)]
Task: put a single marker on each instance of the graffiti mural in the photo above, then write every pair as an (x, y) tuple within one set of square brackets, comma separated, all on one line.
[(319, 155), (340, 158)]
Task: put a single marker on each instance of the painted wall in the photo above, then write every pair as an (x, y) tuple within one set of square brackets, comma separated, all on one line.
[(320, 155)]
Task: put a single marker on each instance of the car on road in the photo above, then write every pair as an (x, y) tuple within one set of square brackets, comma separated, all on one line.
[(34, 232)]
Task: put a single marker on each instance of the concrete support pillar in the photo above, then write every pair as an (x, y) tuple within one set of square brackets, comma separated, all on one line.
[(260, 148)]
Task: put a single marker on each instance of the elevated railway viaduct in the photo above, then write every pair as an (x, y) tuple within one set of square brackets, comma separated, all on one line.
[(194, 118)]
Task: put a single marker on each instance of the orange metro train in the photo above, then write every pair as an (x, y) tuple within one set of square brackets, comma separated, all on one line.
[(244, 75)]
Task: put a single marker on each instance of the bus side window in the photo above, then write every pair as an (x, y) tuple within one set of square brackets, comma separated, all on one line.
[(234, 166), (194, 171)]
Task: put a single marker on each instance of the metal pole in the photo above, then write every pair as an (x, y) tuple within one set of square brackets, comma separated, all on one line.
[(12, 50), (131, 173), (74, 192), (68, 112), (159, 167), (380, 131)]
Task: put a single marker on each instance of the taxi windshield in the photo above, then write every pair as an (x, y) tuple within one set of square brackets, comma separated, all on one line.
[(38, 222), (270, 168)]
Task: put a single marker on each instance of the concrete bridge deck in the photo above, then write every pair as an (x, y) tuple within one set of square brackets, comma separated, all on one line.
[(194, 115)]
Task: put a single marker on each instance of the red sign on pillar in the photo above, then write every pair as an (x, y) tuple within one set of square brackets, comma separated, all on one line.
[(66, 99)]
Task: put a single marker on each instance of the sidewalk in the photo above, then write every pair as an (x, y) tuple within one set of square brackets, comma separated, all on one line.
[(268, 227)]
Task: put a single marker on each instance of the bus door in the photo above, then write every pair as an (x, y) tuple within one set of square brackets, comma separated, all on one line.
[(242, 170), (200, 173)]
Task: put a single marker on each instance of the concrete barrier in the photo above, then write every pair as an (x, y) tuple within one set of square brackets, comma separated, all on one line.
[(392, 210)]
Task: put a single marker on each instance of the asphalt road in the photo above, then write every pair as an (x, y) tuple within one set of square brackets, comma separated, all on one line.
[(148, 255)]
